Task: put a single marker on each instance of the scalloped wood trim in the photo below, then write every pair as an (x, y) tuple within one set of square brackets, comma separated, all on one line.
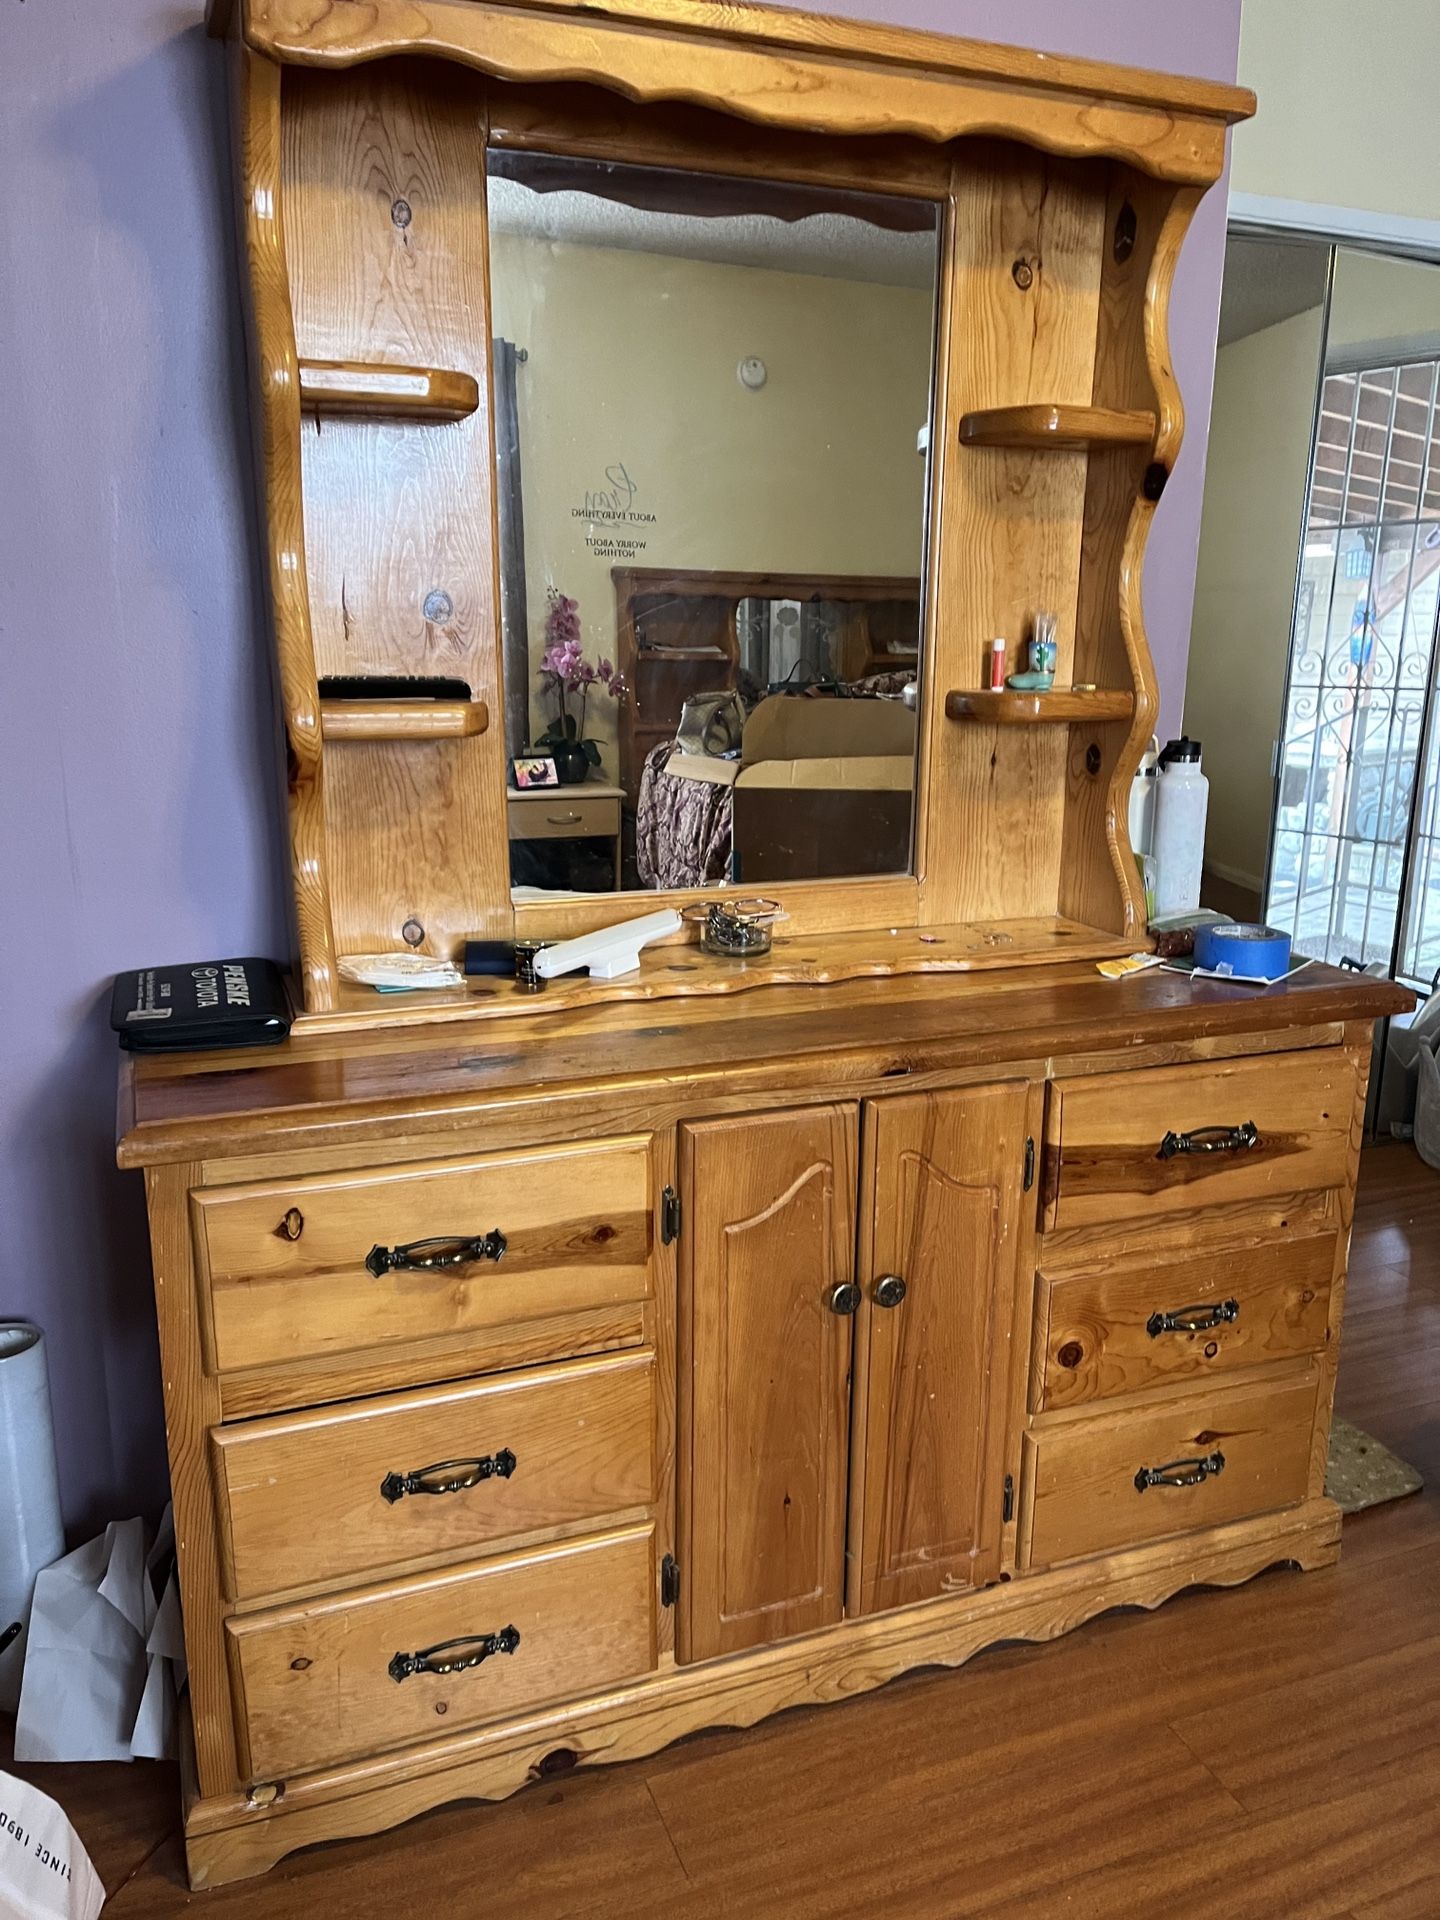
[(225, 1840), (779, 69), (275, 385)]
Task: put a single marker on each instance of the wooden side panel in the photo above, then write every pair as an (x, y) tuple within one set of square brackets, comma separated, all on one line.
[(1359, 1050), (1081, 1494), (768, 1234), (1145, 223), (386, 239), (255, 110), (1026, 237), (315, 1681), (304, 1498), (192, 1407), (942, 1212), (1106, 1153), (1093, 1329)]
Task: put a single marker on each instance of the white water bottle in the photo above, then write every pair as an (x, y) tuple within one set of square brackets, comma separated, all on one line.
[(1182, 798)]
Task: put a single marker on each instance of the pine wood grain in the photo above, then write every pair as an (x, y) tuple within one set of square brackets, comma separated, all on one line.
[(1025, 239), (314, 1686), (550, 1077), (386, 240), (938, 1836), (751, 63), (1104, 1137), (257, 136), (944, 1212), (300, 1497), (770, 1235), (1079, 1493), (1092, 1329), (283, 1267)]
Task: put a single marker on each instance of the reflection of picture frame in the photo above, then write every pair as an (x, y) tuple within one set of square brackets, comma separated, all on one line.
[(534, 770)]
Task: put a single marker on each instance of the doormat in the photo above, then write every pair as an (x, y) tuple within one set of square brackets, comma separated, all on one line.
[(1361, 1473)]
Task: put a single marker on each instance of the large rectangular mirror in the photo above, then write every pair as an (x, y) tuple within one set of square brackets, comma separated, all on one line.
[(712, 396)]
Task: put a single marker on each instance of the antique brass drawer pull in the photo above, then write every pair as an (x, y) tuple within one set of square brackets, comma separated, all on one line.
[(458, 1476), (446, 1657), (1180, 1473), (1193, 1319), (436, 1256), (1211, 1140)]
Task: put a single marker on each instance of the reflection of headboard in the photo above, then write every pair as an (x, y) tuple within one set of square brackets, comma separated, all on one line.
[(676, 636)]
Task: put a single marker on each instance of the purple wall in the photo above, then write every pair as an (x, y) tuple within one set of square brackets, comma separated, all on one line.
[(140, 820)]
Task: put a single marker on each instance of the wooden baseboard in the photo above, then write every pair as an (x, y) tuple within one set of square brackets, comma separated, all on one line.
[(227, 1839)]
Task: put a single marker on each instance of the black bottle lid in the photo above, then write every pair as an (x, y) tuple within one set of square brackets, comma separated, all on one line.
[(1177, 750)]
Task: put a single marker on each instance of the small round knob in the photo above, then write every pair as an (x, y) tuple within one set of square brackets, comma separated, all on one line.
[(889, 1290), (845, 1298)]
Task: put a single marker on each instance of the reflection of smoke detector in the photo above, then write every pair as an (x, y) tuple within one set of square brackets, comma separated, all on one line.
[(751, 373)]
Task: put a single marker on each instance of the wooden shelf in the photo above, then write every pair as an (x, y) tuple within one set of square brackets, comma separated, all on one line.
[(1011, 707), (402, 719), (382, 392), (1047, 426)]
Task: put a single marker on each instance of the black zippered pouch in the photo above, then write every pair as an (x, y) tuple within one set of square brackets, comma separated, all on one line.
[(215, 1003)]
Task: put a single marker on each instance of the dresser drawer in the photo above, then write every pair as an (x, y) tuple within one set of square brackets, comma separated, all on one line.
[(350, 1490), (566, 816), (1085, 1481), (328, 1682), (1173, 1139), (1112, 1330), (283, 1265)]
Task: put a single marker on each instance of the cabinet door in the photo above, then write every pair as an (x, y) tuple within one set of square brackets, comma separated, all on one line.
[(941, 1226), (768, 1237)]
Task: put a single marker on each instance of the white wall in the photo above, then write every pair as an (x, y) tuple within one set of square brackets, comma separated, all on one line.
[(1260, 426), (1346, 92)]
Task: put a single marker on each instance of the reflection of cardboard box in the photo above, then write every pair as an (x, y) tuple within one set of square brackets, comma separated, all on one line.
[(822, 789)]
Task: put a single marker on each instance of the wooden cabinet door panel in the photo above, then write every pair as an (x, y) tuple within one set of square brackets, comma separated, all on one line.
[(944, 1179), (769, 1233)]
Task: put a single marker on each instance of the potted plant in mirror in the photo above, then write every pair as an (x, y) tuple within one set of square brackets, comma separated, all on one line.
[(569, 676)]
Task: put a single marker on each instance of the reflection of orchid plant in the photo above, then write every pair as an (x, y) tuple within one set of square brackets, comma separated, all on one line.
[(564, 670)]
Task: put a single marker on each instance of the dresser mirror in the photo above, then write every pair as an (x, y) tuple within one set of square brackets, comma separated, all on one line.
[(711, 403)]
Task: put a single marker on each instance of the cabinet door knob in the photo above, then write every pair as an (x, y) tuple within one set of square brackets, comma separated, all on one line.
[(845, 1298), (889, 1290)]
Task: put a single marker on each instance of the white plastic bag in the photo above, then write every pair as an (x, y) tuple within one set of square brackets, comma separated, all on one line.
[(45, 1873), (1427, 1100), (105, 1655)]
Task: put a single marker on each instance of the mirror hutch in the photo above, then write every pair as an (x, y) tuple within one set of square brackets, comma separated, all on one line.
[(548, 1377)]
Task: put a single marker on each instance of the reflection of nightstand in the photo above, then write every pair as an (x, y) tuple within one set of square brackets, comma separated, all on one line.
[(588, 812)]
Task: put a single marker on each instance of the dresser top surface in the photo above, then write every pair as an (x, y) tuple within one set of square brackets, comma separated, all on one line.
[(771, 1041)]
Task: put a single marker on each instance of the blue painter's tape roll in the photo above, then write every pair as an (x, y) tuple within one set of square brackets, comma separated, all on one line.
[(1260, 953)]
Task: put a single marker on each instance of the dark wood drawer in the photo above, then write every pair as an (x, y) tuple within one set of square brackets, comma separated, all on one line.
[(1085, 1488), (322, 1495), (283, 1264), (1115, 1330), (318, 1684), (1175, 1139)]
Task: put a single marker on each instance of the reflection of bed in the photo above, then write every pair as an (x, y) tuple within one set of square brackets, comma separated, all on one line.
[(681, 632), (823, 787)]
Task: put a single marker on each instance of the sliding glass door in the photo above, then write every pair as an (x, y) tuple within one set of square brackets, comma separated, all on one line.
[(1354, 869)]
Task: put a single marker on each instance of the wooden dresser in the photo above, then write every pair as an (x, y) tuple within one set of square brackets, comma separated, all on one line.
[(776, 1343), (547, 1378)]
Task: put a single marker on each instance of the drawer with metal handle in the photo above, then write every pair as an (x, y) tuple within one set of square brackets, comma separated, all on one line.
[(1110, 1330), (387, 1666), (1118, 1480), (347, 1491), (341, 1263), (1178, 1139)]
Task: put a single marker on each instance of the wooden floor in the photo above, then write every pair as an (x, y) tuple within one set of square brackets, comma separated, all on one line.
[(1269, 1753)]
